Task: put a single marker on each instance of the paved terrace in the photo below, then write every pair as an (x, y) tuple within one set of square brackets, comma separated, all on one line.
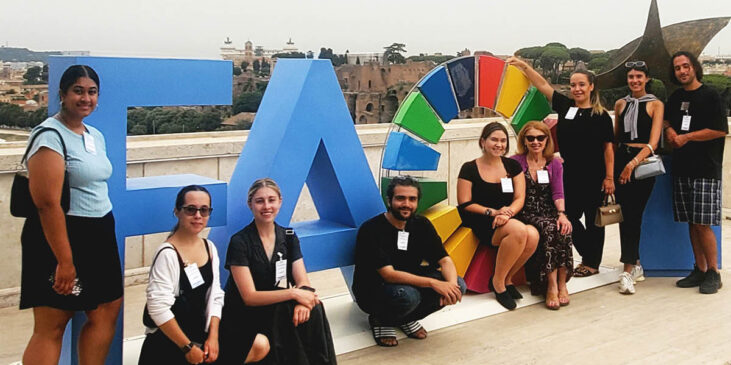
[(660, 324)]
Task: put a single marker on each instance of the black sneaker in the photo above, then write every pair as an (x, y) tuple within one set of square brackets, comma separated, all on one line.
[(694, 279), (712, 282)]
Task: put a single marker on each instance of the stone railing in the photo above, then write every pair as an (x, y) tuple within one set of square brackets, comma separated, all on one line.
[(214, 154)]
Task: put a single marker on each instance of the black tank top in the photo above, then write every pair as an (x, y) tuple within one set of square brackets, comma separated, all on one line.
[(644, 125), (197, 300)]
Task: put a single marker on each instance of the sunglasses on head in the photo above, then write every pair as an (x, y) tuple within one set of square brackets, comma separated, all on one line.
[(191, 210), (635, 64), (540, 138)]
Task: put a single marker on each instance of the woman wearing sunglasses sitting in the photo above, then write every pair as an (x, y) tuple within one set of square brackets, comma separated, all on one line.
[(264, 259), (551, 266), (184, 296), (637, 129)]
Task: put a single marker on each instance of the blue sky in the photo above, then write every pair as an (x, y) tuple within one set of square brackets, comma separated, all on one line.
[(196, 29)]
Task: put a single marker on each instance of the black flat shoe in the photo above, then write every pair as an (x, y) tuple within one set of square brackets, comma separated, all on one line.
[(503, 298), (514, 293)]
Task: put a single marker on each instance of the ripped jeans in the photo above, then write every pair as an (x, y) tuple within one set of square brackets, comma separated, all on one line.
[(398, 304)]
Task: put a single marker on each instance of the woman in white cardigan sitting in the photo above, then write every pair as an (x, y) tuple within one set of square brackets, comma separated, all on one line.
[(184, 296)]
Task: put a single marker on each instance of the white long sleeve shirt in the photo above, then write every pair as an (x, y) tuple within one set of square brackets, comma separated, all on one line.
[(163, 287)]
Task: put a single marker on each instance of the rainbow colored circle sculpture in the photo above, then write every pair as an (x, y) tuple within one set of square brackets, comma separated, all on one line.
[(459, 84)]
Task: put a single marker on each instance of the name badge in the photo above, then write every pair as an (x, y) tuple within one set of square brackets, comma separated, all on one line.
[(542, 176), (685, 126), (685, 106), (280, 269), (89, 145), (402, 242), (507, 184), (572, 112), (194, 275)]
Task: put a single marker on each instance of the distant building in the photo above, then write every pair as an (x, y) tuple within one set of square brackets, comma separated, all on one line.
[(363, 57), (250, 52)]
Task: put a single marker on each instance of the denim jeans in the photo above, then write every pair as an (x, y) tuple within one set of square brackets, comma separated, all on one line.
[(399, 304)]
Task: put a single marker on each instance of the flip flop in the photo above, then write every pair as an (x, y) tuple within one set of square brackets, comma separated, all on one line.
[(411, 329), (381, 333)]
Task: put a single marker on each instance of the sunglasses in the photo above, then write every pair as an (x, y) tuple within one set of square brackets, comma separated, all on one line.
[(540, 138), (191, 210), (635, 64)]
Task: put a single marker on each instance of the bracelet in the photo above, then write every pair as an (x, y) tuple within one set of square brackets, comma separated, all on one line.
[(562, 212), (652, 150), (634, 159), (308, 288)]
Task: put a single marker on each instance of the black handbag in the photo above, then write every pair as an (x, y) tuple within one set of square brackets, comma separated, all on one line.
[(21, 202)]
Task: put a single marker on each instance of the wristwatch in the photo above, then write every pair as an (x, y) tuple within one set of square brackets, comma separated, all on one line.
[(488, 212), (186, 349)]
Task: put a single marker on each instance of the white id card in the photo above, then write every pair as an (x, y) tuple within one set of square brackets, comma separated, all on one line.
[(542, 176), (280, 269), (685, 126), (89, 145), (572, 112), (402, 242), (507, 184), (194, 275)]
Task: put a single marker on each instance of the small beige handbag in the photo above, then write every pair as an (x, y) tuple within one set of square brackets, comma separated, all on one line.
[(609, 212)]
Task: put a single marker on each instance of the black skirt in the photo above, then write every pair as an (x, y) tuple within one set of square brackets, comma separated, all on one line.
[(96, 258)]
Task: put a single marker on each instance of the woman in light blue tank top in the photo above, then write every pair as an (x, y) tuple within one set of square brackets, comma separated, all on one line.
[(70, 259)]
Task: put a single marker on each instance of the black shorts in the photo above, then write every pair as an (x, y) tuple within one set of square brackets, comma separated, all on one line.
[(96, 258)]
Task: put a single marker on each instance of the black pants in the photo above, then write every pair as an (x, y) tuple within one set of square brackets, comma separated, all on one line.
[(632, 197), (397, 304), (583, 196)]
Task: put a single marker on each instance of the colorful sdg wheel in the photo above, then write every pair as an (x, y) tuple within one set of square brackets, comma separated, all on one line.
[(458, 84)]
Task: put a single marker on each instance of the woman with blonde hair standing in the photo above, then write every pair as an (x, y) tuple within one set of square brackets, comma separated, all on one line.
[(551, 266)]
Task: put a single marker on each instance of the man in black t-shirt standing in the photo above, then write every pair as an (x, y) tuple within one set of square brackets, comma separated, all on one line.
[(397, 255), (696, 125)]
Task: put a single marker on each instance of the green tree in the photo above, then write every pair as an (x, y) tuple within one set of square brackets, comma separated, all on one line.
[(13, 115), (393, 53), (579, 54), (551, 58), (33, 76), (265, 67), (597, 64), (289, 55), (247, 102), (237, 71), (244, 66), (137, 130), (357, 60), (256, 66), (558, 45), (532, 53)]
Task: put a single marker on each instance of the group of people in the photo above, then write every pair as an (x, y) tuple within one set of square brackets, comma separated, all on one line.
[(527, 207)]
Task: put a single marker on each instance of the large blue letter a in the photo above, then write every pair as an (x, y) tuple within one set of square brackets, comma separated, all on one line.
[(303, 133)]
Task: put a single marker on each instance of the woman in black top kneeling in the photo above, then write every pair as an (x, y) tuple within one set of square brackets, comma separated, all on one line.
[(184, 296), (490, 192), (264, 258)]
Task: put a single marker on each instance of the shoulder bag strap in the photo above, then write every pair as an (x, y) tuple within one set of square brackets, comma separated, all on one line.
[(45, 129), (289, 241)]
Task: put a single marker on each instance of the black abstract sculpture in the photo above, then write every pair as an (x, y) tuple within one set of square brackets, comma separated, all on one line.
[(656, 46)]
